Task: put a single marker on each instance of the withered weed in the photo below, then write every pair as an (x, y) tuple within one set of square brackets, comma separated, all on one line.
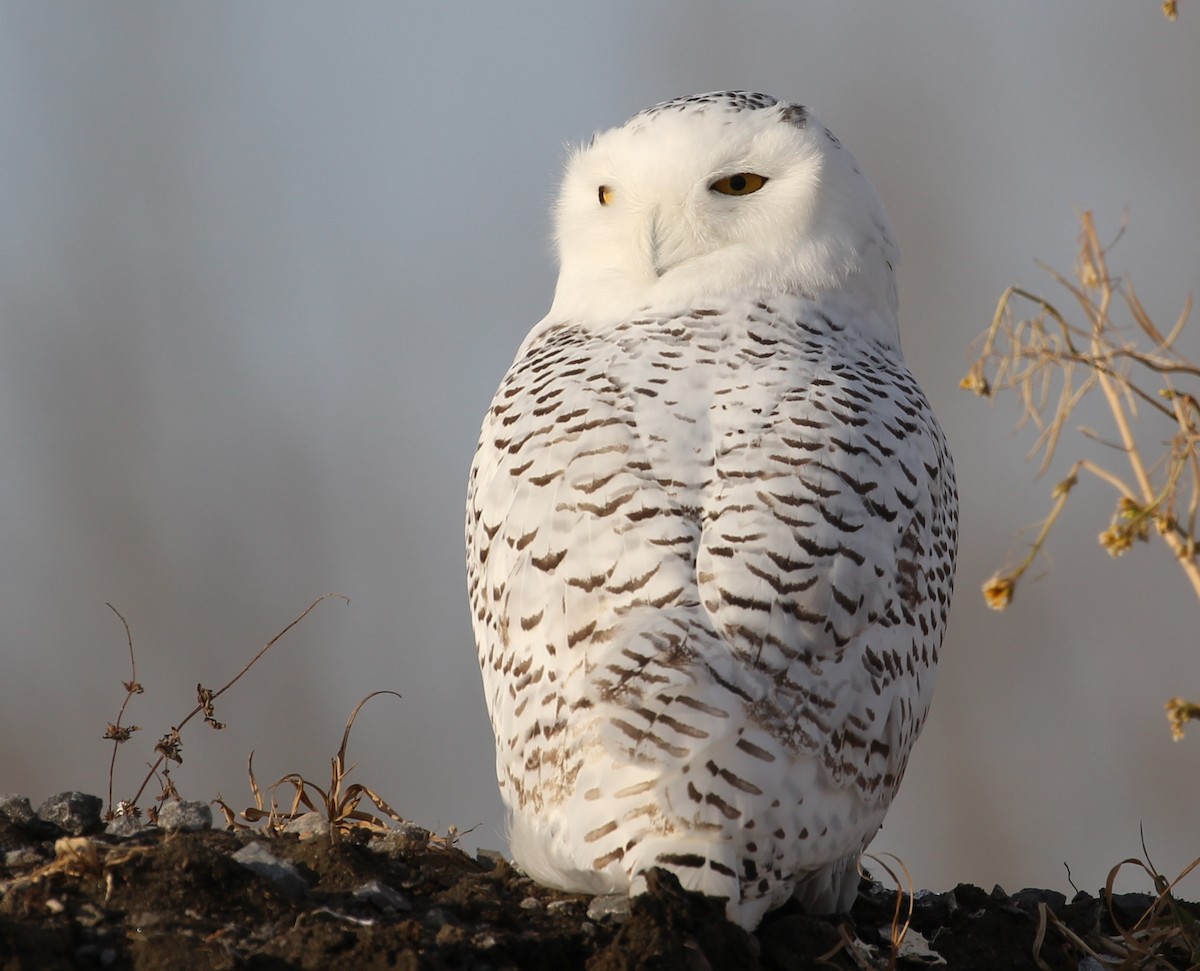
[(169, 748), (337, 803), (1152, 392)]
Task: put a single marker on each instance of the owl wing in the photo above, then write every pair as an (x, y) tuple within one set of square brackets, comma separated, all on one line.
[(827, 559), (572, 538)]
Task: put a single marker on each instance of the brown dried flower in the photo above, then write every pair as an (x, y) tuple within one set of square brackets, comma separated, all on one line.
[(998, 591), (204, 698), (976, 381), (1117, 539), (1179, 713), (120, 733), (169, 746)]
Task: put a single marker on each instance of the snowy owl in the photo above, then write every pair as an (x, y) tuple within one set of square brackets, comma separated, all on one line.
[(711, 522)]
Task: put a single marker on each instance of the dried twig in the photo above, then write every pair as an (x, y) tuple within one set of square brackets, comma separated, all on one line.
[(168, 747), (116, 731), (1052, 364), (899, 927)]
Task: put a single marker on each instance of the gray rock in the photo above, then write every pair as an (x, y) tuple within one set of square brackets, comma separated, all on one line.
[(614, 905), (16, 809), (23, 856), (127, 824), (403, 838), (308, 826), (414, 834), (380, 895), (489, 859), (439, 917), (1029, 898), (191, 817), (76, 813), (258, 859)]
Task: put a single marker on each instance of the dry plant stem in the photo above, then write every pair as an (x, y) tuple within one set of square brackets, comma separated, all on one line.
[(1161, 935), (899, 927), (1164, 925), (1100, 315), (117, 731), (234, 680), (1045, 915), (1052, 364)]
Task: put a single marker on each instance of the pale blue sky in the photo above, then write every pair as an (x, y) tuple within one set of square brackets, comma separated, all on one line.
[(263, 264)]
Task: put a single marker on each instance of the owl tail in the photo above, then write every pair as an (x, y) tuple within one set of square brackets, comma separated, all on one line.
[(830, 889), (705, 866)]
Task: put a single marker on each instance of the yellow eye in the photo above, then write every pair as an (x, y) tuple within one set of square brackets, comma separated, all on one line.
[(605, 194), (741, 184)]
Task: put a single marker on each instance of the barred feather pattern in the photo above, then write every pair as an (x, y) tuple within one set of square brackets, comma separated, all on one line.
[(710, 559)]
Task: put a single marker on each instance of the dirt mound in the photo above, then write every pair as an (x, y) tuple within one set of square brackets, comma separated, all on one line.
[(158, 901)]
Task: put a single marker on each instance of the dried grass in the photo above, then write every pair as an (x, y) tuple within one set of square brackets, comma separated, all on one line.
[(1166, 937), (338, 803), (169, 747)]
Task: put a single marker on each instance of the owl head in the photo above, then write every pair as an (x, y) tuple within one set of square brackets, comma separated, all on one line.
[(715, 195)]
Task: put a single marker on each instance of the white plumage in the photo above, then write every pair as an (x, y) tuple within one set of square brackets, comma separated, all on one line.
[(711, 520)]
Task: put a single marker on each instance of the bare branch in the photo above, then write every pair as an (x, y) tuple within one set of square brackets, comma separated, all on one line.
[(1052, 364)]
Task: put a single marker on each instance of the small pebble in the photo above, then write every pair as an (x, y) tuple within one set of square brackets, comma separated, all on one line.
[(308, 826), (258, 859), (76, 813), (16, 808), (531, 903), (403, 839), (489, 859), (379, 894), (23, 856), (124, 825), (439, 917), (1029, 898), (614, 905), (190, 817)]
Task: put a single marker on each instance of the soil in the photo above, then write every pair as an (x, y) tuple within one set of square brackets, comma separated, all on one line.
[(403, 900)]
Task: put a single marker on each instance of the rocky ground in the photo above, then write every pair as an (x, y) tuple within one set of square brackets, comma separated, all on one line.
[(182, 895)]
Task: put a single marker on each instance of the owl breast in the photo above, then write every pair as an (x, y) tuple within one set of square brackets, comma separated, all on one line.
[(710, 556)]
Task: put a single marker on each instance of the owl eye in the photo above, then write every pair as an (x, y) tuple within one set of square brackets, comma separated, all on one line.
[(605, 194), (741, 184)]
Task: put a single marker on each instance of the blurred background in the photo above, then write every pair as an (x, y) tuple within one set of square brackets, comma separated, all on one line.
[(262, 266)]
